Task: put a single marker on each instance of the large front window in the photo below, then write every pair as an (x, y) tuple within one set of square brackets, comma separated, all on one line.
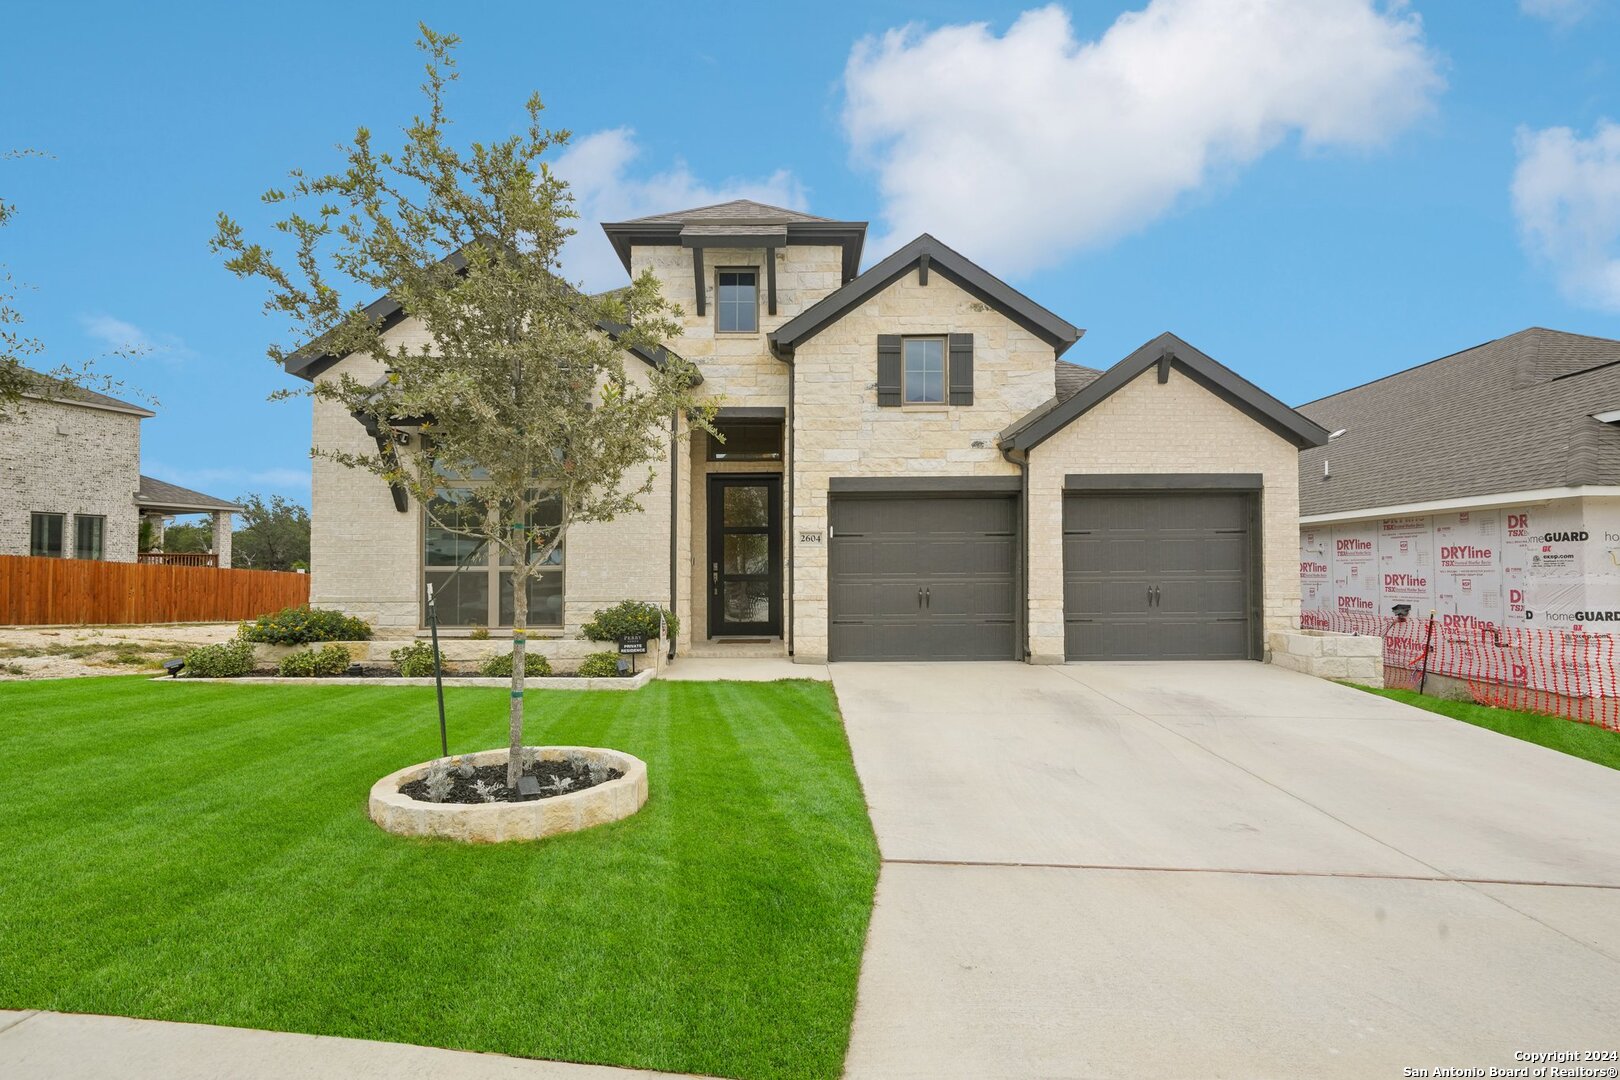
[(471, 580)]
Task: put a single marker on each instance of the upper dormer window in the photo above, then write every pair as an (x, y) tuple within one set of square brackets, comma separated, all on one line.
[(736, 309)]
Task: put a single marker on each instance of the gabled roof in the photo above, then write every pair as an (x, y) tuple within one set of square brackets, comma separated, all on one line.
[(1165, 351), (927, 252), (1513, 414), (158, 495), (738, 223), (309, 361)]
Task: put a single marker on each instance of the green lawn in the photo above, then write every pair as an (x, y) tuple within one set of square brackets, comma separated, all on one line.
[(202, 853), (1569, 736)]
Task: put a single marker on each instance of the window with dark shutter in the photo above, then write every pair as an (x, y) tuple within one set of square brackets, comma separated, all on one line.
[(888, 370), (961, 369)]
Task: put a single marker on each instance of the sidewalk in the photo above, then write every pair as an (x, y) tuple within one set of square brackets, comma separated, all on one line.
[(64, 1046)]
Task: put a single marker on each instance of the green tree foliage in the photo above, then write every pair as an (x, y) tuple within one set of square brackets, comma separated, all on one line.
[(525, 383), (190, 536), (274, 535)]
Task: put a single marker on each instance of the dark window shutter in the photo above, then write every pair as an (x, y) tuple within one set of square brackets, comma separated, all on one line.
[(961, 369), (888, 370)]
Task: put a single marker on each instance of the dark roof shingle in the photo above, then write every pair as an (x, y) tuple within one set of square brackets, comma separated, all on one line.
[(160, 495), (1514, 414)]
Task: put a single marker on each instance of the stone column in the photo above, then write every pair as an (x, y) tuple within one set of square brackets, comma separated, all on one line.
[(222, 537)]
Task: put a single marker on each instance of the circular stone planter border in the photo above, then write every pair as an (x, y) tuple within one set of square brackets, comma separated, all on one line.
[(485, 823)]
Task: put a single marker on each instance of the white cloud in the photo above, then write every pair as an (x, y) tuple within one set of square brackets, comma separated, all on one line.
[(1566, 196), (117, 335), (1023, 147), (598, 170), (1563, 12)]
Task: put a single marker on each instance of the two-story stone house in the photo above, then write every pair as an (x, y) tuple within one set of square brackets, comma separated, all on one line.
[(910, 470), (71, 484)]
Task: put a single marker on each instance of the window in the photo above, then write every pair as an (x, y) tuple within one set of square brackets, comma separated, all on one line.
[(472, 584), (747, 440), (88, 534), (736, 310), (923, 371), (45, 535)]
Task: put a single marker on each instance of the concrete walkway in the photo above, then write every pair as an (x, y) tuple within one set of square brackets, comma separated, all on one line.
[(59, 1046), (1219, 870)]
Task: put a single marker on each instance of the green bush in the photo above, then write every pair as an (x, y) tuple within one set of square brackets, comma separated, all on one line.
[(415, 660), (309, 664), (599, 665), (629, 617), (230, 660), (302, 625), (535, 666)]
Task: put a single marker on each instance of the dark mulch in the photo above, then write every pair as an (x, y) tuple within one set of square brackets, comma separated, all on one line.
[(556, 778)]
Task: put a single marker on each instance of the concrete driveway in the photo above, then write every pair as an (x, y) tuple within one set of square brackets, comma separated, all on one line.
[(1219, 870)]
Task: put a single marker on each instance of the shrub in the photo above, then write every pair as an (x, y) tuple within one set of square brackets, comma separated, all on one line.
[(535, 666), (309, 664), (629, 617), (230, 660), (599, 665), (415, 660), (479, 633), (302, 625)]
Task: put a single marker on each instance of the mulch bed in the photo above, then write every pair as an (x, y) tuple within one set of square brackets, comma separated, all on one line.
[(556, 778)]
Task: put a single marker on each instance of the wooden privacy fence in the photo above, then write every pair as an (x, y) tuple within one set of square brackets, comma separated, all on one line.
[(42, 592)]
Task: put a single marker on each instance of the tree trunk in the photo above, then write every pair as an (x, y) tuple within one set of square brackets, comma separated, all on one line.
[(520, 619)]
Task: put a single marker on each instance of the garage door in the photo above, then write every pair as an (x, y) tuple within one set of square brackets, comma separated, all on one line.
[(923, 578), (1158, 576)]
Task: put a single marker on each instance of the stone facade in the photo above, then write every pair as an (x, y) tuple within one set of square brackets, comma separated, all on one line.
[(366, 556), (1152, 427), (738, 371), (1327, 655), (839, 430), (71, 459)]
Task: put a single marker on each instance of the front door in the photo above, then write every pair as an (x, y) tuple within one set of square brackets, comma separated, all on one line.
[(745, 555)]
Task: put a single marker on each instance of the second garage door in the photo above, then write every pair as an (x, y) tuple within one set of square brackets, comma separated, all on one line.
[(923, 578), (1159, 576)]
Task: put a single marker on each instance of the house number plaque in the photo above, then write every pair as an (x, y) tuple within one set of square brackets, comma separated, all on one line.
[(809, 538)]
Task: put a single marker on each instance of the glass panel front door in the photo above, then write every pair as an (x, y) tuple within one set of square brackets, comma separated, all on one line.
[(745, 555)]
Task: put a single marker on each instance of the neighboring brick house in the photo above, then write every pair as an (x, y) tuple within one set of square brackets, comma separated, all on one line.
[(1484, 486), (910, 471), (71, 485)]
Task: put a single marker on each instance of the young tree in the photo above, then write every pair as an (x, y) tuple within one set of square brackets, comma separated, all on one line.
[(523, 388), (274, 535)]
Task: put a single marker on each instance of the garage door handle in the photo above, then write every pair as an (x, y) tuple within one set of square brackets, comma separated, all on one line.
[(1150, 596), (919, 596), (928, 596), (1156, 597)]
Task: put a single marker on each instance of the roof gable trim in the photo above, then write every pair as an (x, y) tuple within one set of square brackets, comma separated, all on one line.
[(1044, 324), (1168, 351)]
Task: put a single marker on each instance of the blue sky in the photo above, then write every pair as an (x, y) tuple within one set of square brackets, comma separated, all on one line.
[(1315, 192)]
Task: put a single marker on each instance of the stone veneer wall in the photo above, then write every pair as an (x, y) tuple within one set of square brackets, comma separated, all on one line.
[(839, 429), (738, 370), (70, 459), (1149, 427), (365, 556)]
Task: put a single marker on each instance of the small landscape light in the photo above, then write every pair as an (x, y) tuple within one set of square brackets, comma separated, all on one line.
[(1401, 611), (173, 666), (624, 666)]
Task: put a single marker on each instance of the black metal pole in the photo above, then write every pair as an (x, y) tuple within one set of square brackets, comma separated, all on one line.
[(438, 672), (1428, 642)]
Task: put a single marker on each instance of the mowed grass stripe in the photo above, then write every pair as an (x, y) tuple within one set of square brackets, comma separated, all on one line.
[(203, 854)]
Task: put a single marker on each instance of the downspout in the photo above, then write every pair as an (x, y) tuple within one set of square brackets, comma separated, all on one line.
[(787, 631), (1021, 459), (674, 513)]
